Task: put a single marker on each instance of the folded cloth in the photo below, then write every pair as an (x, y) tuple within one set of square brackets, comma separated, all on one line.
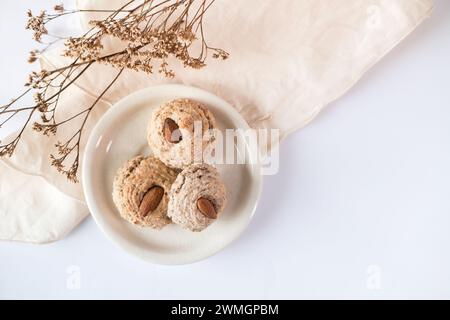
[(288, 60)]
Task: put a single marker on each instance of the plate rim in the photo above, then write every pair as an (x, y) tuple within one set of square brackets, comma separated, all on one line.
[(88, 194)]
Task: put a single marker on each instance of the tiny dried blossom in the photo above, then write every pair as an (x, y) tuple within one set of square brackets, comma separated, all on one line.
[(187, 35), (63, 148), (59, 8), (45, 129), (34, 55), (38, 80), (163, 68), (37, 24), (8, 150), (57, 163), (85, 49), (220, 54)]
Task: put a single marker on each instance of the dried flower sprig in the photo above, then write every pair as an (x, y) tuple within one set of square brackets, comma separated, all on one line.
[(151, 32)]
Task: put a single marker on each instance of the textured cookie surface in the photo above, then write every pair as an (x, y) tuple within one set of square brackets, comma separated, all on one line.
[(183, 114), (132, 182), (194, 183)]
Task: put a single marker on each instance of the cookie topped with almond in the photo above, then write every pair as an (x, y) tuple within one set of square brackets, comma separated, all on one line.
[(172, 131), (197, 197), (140, 191)]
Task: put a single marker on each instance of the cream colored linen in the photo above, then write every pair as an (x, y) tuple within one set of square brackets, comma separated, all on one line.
[(289, 59), (33, 210)]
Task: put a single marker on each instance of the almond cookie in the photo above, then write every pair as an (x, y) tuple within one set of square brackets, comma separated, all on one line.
[(172, 137), (140, 191), (197, 197)]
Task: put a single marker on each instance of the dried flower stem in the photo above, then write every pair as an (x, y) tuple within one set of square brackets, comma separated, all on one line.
[(151, 31), (66, 148)]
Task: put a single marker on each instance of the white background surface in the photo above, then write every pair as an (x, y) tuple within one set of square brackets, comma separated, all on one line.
[(366, 184)]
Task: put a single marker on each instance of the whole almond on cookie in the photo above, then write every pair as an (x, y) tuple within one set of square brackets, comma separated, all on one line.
[(151, 200), (206, 208), (172, 131)]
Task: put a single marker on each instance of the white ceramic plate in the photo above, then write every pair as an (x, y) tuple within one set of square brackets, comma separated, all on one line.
[(121, 135)]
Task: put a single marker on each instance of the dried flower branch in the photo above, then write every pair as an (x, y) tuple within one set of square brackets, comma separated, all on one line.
[(151, 32)]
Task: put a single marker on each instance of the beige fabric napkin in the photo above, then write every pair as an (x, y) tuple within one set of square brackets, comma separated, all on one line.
[(289, 59)]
